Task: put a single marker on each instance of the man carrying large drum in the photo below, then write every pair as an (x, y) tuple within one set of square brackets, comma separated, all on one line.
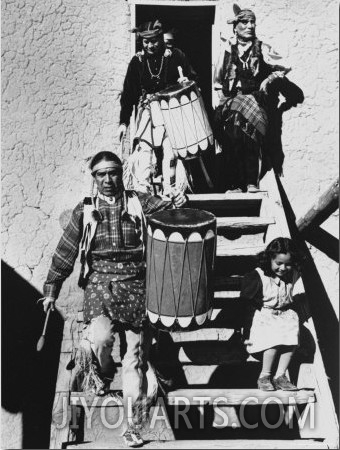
[(150, 83), (109, 232)]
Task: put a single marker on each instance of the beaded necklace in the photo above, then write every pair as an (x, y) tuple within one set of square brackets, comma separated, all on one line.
[(157, 75)]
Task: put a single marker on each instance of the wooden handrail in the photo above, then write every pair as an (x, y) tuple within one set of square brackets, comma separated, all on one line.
[(322, 209)]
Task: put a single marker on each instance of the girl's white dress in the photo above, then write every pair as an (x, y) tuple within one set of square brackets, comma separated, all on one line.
[(275, 322)]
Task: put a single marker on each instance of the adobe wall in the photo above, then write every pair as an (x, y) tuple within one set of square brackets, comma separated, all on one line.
[(63, 65)]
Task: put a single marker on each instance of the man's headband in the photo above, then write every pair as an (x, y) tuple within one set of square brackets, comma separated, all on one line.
[(103, 164), (241, 14), (149, 30)]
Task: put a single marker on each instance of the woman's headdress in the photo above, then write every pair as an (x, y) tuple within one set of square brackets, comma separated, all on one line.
[(149, 30)]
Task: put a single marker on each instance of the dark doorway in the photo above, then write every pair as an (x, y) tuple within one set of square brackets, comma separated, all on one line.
[(194, 34)]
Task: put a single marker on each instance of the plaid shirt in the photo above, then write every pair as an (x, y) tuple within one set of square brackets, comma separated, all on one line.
[(118, 238)]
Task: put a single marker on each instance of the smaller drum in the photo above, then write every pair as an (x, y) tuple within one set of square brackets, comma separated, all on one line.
[(185, 118), (181, 249)]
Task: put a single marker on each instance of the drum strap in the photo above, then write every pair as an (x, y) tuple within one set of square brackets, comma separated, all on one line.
[(134, 209), (89, 231)]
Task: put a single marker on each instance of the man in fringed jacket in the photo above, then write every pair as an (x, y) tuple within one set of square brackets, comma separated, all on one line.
[(109, 230)]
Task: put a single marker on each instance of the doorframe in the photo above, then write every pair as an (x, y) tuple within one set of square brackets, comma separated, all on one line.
[(215, 35), (134, 3)]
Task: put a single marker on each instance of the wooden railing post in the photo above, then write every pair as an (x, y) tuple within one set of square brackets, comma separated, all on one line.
[(322, 209)]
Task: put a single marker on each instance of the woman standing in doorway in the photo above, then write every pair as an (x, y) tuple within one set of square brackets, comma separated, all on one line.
[(151, 70)]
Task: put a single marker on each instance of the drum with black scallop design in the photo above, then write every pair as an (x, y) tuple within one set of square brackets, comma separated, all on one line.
[(181, 109), (181, 250)]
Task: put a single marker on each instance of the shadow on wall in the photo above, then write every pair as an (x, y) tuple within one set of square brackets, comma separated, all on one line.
[(293, 95), (324, 317), (28, 377), (324, 241)]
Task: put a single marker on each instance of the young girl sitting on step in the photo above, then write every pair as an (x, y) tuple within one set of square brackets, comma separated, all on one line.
[(274, 331)]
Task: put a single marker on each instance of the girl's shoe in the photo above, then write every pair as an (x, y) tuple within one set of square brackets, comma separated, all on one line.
[(264, 384), (284, 384)]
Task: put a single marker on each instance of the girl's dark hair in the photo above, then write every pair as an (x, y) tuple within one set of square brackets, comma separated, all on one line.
[(279, 245), (106, 156)]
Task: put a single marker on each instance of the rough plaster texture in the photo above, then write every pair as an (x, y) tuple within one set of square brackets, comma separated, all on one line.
[(63, 65)]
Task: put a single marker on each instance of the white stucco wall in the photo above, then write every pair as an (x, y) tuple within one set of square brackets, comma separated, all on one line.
[(63, 65)]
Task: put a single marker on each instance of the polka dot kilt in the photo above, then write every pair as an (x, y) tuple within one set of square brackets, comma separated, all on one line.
[(117, 291)]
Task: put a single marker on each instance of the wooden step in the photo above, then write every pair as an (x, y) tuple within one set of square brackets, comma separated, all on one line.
[(232, 238), (233, 397), (209, 443), (244, 223), (227, 283), (223, 373), (218, 295), (211, 335), (226, 248), (220, 198), (230, 303), (207, 355), (206, 365), (225, 367), (239, 265), (228, 204)]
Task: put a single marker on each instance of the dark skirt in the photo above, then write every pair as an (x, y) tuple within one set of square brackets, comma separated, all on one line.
[(116, 290)]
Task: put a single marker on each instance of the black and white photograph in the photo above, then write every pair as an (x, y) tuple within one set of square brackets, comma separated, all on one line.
[(170, 224)]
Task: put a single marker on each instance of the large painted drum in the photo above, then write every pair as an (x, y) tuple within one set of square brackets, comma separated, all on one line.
[(184, 117), (180, 260)]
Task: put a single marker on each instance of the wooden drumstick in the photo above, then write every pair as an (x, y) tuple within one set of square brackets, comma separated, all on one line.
[(41, 341), (180, 71)]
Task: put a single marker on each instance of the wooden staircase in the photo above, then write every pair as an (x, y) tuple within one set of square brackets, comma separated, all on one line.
[(215, 379)]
